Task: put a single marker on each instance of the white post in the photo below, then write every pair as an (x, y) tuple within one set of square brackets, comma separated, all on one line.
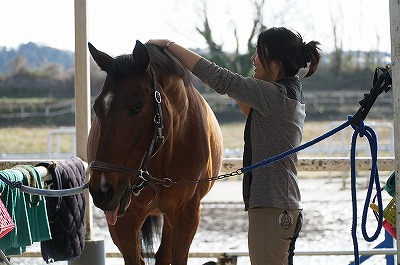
[(394, 8), (94, 252), (82, 92)]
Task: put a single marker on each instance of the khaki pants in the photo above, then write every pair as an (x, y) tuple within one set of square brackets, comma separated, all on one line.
[(272, 235)]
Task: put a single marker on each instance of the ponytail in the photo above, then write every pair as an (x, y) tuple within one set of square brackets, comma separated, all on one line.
[(310, 55)]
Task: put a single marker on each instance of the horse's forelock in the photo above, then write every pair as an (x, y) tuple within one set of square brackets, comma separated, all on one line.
[(122, 65)]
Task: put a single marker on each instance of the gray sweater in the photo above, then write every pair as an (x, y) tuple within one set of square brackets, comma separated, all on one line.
[(277, 126)]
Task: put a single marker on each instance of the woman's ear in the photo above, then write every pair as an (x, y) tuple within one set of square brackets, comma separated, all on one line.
[(276, 65), (277, 69)]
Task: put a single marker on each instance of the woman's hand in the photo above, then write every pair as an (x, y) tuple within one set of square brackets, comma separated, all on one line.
[(163, 43), (185, 56)]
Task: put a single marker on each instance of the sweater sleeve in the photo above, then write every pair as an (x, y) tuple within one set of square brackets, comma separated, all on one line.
[(253, 92)]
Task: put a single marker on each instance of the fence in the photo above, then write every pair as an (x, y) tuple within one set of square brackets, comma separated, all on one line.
[(217, 102)]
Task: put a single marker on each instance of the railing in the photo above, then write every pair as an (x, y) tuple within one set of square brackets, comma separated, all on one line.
[(54, 142), (231, 258), (217, 102), (51, 110), (322, 164)]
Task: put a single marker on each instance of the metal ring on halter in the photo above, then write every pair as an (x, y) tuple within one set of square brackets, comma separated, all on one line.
[(144, 173), (157, 119), (157, 96), (167, 182)]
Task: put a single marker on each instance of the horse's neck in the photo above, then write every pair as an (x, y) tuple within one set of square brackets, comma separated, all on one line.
[(182, 101), (179, 97)]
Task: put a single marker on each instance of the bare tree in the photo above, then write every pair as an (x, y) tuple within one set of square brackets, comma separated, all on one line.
[(235, 61), (337, 53)]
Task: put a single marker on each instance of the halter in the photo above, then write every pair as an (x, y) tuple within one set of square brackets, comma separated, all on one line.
[(157, 141)]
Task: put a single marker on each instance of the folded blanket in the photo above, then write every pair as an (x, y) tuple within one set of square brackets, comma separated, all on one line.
[(66, 214)]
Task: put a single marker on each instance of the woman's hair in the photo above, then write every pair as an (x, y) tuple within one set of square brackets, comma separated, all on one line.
[(287, 48)]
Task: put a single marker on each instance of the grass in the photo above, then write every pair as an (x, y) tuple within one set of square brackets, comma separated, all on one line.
[(34, 139), (233, 135), (29, 140)]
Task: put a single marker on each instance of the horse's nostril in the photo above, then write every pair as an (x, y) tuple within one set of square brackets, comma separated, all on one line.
[(102, 196), (109, 192)]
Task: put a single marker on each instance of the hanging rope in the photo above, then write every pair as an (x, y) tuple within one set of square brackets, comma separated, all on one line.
[(361, 131)]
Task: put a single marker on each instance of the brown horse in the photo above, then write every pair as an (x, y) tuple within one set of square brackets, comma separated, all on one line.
[(152, 139)]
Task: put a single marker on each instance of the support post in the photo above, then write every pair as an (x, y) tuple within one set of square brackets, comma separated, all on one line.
[(93, 252), (394, 9)]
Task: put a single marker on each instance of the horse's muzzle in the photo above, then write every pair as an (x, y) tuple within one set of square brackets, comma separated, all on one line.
[(114, 205)]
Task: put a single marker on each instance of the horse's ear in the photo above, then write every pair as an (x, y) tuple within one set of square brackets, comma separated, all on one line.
[(141, 56), (103, 60)]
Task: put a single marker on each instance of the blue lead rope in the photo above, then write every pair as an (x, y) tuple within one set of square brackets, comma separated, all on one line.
[(361, 131), (268, 161)]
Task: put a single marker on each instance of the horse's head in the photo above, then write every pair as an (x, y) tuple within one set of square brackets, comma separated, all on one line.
[(125, 128)]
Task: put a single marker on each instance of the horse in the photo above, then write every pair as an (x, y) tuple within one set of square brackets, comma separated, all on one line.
[(153, 149)]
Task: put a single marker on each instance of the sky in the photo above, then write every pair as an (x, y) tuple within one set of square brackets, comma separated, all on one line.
[(114, 26)]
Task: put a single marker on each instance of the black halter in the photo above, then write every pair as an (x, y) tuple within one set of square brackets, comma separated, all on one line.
[(157, 141)]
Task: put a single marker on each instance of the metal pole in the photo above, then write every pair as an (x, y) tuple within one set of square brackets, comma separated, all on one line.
[(394, 9), (94, 252)]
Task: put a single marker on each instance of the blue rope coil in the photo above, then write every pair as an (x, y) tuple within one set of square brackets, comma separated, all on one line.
[(369, 133)]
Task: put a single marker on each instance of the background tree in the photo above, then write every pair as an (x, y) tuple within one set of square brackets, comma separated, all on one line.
[(337, 54), (18, 65), (239, 63)]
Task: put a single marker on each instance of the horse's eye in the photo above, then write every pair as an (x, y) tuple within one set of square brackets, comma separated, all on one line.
[(135, 109)]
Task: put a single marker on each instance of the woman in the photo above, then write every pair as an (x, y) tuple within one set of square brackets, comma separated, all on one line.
[(274, 106)]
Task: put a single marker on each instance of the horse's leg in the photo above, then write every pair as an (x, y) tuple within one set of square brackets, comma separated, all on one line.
[(163, 255), (185, 227), (126, 236)]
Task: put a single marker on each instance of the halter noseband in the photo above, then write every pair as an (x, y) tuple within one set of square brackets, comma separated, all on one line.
[(155, 144)]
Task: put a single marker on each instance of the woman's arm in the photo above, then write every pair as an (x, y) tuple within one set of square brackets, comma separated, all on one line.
[(245, 109), (247, 91), (185, 56)]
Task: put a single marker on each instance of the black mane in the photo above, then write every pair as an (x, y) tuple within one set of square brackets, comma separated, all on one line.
[(163, 62), (166, 63), (123, 65)]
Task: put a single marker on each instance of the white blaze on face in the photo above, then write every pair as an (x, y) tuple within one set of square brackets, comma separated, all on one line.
[(103, 182), (107, 101), (111, 216)]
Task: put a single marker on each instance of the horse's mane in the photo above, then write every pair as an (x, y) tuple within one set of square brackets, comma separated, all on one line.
[(166, 63), (163, 62)]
